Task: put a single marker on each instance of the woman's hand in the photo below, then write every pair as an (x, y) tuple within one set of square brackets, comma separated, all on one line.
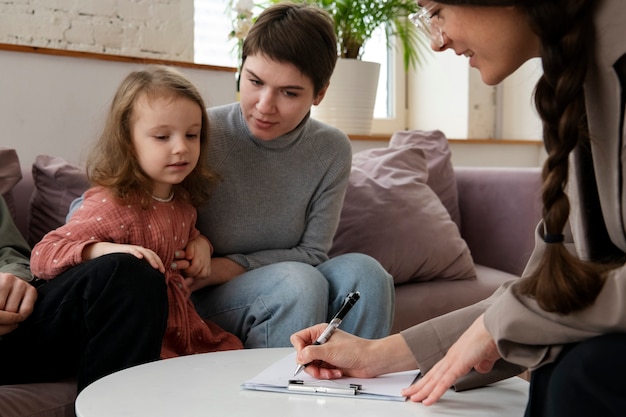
[(222, 270), (335, 358), (474, 349), (346, 354), (198, 256), (17, 300), (97, 249)]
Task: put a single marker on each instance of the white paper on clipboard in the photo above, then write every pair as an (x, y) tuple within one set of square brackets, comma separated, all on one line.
[(276, 378)]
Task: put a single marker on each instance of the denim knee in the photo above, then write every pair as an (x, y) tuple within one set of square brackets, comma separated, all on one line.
[(373, 314), (293, 296)]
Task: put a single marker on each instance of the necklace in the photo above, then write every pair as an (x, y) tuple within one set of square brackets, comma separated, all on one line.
[(164, 200)]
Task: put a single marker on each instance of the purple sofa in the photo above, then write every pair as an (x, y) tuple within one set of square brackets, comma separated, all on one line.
[(498, 209)]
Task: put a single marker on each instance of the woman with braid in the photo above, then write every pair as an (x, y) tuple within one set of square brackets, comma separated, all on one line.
[(565, 319)]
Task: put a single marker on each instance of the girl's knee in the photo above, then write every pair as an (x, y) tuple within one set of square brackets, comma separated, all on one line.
[(132, 275)]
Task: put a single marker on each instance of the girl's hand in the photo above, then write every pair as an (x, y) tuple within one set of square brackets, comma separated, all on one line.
[(474, 349), (97, 249)]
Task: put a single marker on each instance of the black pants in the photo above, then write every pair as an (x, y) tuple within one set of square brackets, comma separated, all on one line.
[(586, 380), (99, 317)]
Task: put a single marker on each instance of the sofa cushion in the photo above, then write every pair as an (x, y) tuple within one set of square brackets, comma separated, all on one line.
[(10, 174), (40, 400), (57, 184), (441, 178), (391, 214)]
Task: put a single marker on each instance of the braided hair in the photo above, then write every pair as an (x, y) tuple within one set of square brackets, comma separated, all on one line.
[(562, 283)]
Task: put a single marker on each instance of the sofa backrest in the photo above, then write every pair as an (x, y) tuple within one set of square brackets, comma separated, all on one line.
[(500, 209)]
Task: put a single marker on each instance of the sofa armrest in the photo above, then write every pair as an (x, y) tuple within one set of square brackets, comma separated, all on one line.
[(500, 209)]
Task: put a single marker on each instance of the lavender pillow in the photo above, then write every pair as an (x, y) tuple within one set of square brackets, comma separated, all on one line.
[(439, 161), (57, 184), (10, 174), (391, 214)]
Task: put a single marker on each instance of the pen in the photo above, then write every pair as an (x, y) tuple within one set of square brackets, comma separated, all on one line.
[(350, 300)]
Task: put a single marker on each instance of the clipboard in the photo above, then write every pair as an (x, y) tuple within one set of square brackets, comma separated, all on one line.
[(278, 377), (323, 387)]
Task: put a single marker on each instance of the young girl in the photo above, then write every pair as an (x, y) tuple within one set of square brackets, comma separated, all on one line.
[(149, 173), (565, 319)]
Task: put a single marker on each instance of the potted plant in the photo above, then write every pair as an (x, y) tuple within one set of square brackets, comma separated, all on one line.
[(355, 24)]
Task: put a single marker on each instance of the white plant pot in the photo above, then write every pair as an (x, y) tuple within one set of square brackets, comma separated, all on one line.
[(351, 96)]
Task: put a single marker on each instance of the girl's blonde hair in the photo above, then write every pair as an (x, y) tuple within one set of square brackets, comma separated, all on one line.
[(113, 161)]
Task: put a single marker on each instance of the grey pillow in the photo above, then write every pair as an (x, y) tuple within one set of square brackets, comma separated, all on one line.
[(57, 184), (441, 177), (391, 214)]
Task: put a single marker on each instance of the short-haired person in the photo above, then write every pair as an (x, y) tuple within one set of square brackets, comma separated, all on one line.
[(565, 319), (273, 215)]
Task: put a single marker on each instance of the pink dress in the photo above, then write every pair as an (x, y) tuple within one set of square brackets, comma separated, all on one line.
[(163, 228)]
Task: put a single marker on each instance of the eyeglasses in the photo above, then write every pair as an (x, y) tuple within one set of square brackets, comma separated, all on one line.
[(428, 24)]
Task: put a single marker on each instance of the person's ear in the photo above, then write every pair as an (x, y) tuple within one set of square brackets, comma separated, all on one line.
[(320, 96)]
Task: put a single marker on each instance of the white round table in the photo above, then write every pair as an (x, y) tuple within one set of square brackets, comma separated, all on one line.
[(209, 385)]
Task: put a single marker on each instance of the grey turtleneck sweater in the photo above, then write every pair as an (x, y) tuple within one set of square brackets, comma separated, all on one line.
[(277, 200)]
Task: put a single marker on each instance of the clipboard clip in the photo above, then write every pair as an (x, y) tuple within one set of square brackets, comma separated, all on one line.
[(324, 387)]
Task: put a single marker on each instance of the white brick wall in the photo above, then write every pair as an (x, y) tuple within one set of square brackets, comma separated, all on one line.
[(161, 29)]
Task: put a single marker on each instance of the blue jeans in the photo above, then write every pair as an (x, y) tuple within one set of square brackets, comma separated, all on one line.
[(264, 306)]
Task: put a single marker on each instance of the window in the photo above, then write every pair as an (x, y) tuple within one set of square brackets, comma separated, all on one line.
[(211, 28), (212, 24), (390, 110)]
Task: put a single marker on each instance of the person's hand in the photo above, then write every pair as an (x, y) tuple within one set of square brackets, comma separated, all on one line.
[(474, 349), (222, 270), (17, 300), (343, 354), (195, 262), (346, 354), (97, 249), (198, 254)]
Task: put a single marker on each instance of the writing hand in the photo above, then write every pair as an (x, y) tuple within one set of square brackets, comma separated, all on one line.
[(343, 354)]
